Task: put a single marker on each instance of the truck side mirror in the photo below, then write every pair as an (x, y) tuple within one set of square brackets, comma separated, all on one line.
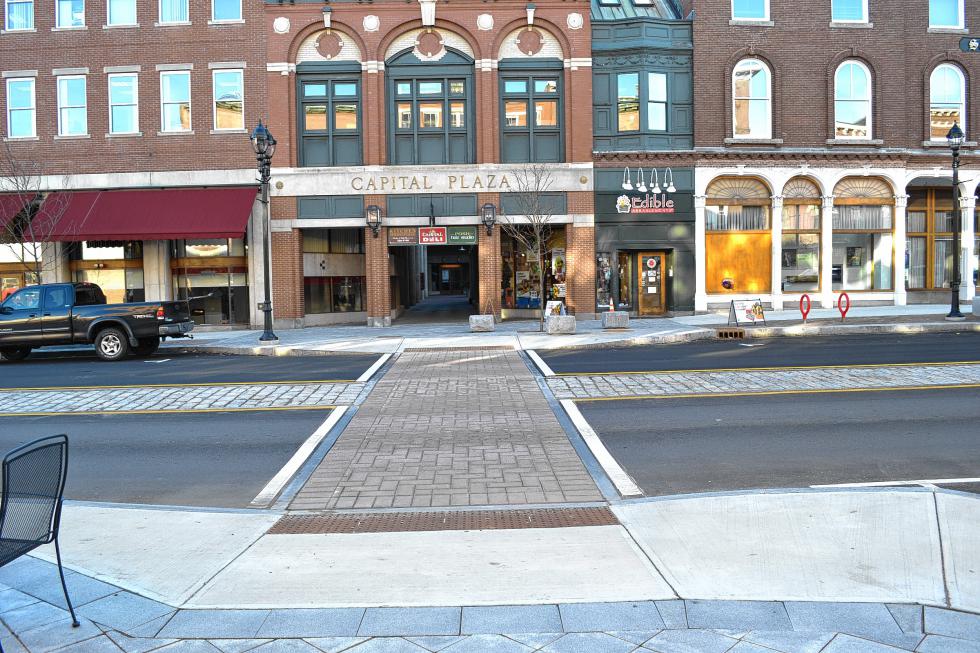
[(6, 310)]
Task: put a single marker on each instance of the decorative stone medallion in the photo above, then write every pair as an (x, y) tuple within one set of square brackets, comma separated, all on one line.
[(575, 21), (329, 44), (371, 23), (429, 46), (281, 25), (529, 42), (484, 22)]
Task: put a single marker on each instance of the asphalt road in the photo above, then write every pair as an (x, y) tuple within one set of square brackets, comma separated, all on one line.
[(73, 369), (214, 459), (676, 446), (770, 352)]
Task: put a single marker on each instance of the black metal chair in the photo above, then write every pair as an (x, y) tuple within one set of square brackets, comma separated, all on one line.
[(30, 509)]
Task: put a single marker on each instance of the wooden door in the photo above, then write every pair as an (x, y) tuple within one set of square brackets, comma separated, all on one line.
[(650, 283)]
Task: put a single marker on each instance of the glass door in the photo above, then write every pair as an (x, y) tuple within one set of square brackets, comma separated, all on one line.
[(650, 283)]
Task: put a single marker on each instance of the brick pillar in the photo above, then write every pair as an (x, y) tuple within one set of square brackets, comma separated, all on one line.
[(488, 250), (287, 278), (580, 261), (378, 278)]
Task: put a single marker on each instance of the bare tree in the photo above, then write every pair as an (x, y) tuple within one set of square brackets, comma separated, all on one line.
[(531, 226), (36, 211)]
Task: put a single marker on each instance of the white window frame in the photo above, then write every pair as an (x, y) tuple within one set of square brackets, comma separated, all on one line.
[(869, 100), (214, 99), (66, 78), (6, 17), (33, 107), (135, 104), (227, 20), (163, 103), (173, 22), (961, 23), (57, 16), (108, 15), (767, 133), (962, 77), (753, 19), (860, 21)]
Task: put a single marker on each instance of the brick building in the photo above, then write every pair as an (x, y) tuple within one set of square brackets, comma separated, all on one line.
[(131, 120), (422, 114), (821, 159)]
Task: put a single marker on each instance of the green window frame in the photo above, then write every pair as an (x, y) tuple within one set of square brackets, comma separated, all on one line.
[(329, 117), (431, 119), (531, 110)]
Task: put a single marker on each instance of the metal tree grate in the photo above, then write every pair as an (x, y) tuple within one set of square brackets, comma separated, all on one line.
[(458, 520)]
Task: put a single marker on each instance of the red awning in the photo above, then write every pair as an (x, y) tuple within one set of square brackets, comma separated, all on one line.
[(168, 214), (10, 205)]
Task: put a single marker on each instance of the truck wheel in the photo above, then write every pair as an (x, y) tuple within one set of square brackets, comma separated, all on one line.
[(111, 344), (14, 354), (146, 346)]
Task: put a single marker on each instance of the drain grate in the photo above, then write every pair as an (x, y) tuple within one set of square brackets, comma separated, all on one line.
[(734, 333), (457, 520)]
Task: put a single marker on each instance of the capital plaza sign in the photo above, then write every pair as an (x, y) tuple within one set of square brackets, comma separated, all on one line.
[(433, 183)]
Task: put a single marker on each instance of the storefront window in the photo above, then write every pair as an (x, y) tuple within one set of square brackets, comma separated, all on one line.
[(801, 237), (334, 277), (930, 222), (738, 238), (17, 268), (521, 282), (863, 243), (603, 281), (115, 266), (976, 248), (625, 280), (212, 274)]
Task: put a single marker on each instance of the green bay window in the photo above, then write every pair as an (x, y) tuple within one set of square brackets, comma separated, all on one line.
[(430, 109), (330, 119), (531, 106)]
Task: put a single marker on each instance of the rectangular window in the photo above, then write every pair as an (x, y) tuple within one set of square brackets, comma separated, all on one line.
[(229, 109), (546, 113), (457, 115), (628, 102), (226, 10), (430, 115), (801, 248), (430, 88), (946, 13), (72, 106), (345, 117), (175, 101), (862, 247), (750, 9), (314, 90), (515, 113), (657, 102), (21, 109), (174, 11), (403, 88), (737, 218), (315, 117), (404, 115), (345, 89), (123, 104), (20, 14), (121, 12), (929, 226), (545, 86), (515, 86), (849, 11), (70, 13)]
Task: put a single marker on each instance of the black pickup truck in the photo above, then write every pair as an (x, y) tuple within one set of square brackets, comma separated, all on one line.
[(75, 313)]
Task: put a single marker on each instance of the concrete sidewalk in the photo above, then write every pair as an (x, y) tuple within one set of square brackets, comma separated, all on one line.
[(759, 561), (523, 335)]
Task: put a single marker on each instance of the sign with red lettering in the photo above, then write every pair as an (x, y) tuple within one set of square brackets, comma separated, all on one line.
[(433, 236)]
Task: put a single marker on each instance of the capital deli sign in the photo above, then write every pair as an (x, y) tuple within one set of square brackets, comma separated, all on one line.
[(383, 180)]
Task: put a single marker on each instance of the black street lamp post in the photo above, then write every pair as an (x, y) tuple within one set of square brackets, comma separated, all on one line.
[(265, 146), (955, 138)]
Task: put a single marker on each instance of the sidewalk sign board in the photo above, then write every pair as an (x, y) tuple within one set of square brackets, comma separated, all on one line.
[(554, 308), (749, 310)]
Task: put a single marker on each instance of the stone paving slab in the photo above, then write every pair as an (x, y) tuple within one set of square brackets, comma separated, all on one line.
[(669, 384), (450, 428), (182, 398)]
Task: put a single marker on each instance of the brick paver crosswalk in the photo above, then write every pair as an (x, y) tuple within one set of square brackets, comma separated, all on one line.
[(450, 428)]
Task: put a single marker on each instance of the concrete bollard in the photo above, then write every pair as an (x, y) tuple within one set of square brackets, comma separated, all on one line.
[(560, 324), (482, 323), (615, 320)]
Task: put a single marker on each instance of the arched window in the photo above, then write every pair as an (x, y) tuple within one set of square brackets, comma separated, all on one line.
[(947, 101), (801, 236), (863, 224), (751, 100), (852, 101), (737, 225)]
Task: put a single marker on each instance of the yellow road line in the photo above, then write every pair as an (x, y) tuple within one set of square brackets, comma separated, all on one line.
[(167, 411), (172, 385), (764, 393), (767, 369)]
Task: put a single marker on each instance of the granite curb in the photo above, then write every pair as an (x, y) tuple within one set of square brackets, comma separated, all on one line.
[(628, 340)]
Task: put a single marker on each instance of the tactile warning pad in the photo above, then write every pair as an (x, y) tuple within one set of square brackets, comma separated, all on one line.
[(458, 520)]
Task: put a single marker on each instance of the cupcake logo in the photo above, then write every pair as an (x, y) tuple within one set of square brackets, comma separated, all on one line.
[(623, 204)]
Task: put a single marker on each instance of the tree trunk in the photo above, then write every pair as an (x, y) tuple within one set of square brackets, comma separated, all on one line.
[(541, 298)]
